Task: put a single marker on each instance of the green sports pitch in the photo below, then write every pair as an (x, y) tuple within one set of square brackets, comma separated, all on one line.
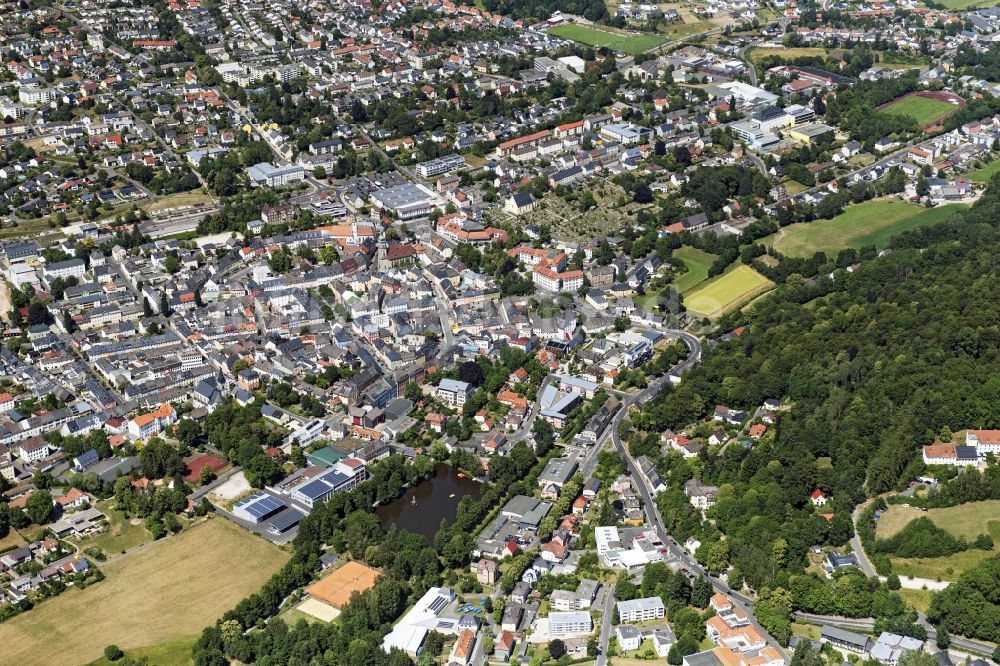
[(922, 109), (630, 44), (726, 292)]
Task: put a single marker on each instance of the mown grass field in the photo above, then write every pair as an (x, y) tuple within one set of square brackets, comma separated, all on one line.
[(191, 198), (940, 568), (697, 262), (175, 652), (11, 541), (967, 520), (630, 44), (760, 52), (983, 175), (921, 109), (169, 591), (919, 599), (726, 292), (869, 223)]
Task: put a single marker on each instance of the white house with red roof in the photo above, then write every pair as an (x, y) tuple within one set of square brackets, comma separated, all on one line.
[(818, 498)]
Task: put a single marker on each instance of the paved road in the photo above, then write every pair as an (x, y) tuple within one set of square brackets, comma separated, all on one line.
[(859, 551), (868, 624), (606, 617), (649, 505)]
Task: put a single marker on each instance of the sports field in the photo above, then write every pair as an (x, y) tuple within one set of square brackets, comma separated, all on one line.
[(630, 44), (169, 591), (338, 586), (922, 109), (727, 291), (869, 223), (697, 263)]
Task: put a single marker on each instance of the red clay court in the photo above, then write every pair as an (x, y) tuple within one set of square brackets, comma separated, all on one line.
[(195, 466)]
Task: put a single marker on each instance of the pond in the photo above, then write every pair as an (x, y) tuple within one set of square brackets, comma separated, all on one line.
[(421, 509)]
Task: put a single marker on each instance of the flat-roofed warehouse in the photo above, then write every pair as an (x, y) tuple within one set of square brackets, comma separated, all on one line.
[(407, 201)]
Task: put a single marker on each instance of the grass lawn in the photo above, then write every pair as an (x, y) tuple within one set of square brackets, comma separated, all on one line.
[(11, 541), (805, 630), (679, 30), (983, 175), (167, 592), (968, 520), (727, 291), (760, 52), (869, 223), (192, 198), (919, 599), (794, 187), (647, 300), (175, 652), (921, 109), (698, 263), (966, 4), (121, 534), (632, 44), (940, 568), (27, 228)]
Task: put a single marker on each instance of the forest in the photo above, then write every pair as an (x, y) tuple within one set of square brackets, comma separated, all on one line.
[(874, 364)]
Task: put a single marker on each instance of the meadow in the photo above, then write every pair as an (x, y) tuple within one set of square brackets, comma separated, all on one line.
[(869, 223), (165, 593)]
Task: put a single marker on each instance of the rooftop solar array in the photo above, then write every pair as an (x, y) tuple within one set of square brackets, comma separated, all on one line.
[(286, 520), (438, 604), (322, 484), (259, 505)]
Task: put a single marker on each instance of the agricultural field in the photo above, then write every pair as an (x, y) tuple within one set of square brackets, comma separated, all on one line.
[(986, 173), (869, 223), (697, 262), (726, 292), (632, 44), (922, 109), (167, 592)]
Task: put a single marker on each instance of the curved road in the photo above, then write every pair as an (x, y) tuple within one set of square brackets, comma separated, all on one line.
[(652, 512)]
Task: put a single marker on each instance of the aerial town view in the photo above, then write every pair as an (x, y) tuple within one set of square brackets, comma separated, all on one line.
[(469, 332)]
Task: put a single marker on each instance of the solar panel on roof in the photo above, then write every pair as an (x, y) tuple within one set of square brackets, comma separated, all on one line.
[(314, 489), (260, 505), (438, 604), (286, 520)]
